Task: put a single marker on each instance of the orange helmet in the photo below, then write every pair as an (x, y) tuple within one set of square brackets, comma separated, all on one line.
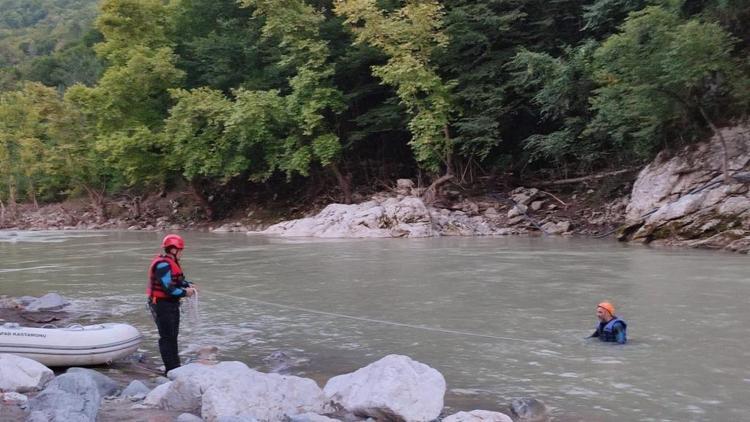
[(173, 240), (607, 307)]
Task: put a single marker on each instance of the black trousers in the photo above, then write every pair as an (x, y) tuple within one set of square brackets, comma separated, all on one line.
[(167, 318)]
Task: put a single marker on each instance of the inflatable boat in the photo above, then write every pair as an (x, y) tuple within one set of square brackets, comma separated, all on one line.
[(72, 346)]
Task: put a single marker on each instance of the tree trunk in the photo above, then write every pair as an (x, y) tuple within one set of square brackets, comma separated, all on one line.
[(97, 201), (448, 152), (137, 207), (2, 213), (345, 183), (584, 178), (12, 206), (32, 196), (725, 153), (202, 198), (430, 194)]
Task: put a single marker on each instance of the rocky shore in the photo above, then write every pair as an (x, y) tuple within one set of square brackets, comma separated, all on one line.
[(393, 388), (683, 199), (679, 199)]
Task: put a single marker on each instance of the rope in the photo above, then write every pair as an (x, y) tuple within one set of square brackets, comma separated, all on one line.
[(379, 321), (191, 309)]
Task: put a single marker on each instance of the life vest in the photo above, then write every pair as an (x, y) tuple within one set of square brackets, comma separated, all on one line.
[(607, 333), (155, 290)]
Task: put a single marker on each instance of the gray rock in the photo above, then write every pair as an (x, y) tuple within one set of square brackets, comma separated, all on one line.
[(491, 212), (156, 396), (404, 186), (37, 416), (14, 397), (188, 417), (556, 228), (395, 385), (719, 240), (236, 418), (478, 416), (523, 196), (22, 375), (564, 226), (311, 417), (135, 388), (683, 196), (70, 397), (160, 380), (537, 205), (234, 390), (106, 385), (529, 409), (48, 302), (517, 210)]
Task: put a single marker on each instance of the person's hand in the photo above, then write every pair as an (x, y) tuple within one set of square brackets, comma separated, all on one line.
[(189, 291)]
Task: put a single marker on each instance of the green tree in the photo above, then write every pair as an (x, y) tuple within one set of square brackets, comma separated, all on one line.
[(561, 88), (46, 148), (220, 46), (312, 95), (663, 77), (409, 36), (131, 100)]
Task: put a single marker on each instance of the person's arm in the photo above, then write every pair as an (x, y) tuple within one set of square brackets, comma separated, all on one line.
[(596, 334), (620, 334), (164, 273)]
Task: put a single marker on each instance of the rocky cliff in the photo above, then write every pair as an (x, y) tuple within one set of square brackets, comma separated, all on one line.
[(682, 199)]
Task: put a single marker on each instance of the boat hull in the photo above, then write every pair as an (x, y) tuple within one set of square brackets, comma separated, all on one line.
[(72, 346)]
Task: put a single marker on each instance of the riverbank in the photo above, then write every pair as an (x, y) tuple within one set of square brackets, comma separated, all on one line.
[(132, 389), (680, 199), (594, 211)]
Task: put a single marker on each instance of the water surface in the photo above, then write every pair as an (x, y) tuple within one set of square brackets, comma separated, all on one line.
[(499, 317)]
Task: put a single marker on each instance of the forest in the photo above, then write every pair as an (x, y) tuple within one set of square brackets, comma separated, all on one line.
[(226, 97)]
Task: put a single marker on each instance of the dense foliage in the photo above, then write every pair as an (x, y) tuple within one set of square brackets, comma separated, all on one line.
[(102, 97)]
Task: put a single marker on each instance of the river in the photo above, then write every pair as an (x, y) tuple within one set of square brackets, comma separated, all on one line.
[(500, 318)]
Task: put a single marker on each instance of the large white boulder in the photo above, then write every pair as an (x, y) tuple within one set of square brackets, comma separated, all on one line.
[(388, 217), (395, 384), (478, 416), (265, 397), (231, 389), (22, 374), (408, 217)]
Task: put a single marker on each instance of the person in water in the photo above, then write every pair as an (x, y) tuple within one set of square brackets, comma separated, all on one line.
[(611, 328), (166, 286)]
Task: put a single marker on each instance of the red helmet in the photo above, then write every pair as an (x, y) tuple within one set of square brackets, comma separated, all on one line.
[(173, 240)]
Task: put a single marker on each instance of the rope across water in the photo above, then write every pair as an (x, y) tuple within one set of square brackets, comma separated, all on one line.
[(379, 321)]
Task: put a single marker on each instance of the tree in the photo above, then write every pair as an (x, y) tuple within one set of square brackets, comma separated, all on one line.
[(220, 46), (561, 88), (212, 137), (131, 100), (312, 95), (662, 76), (409, 36), (46, 148)]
